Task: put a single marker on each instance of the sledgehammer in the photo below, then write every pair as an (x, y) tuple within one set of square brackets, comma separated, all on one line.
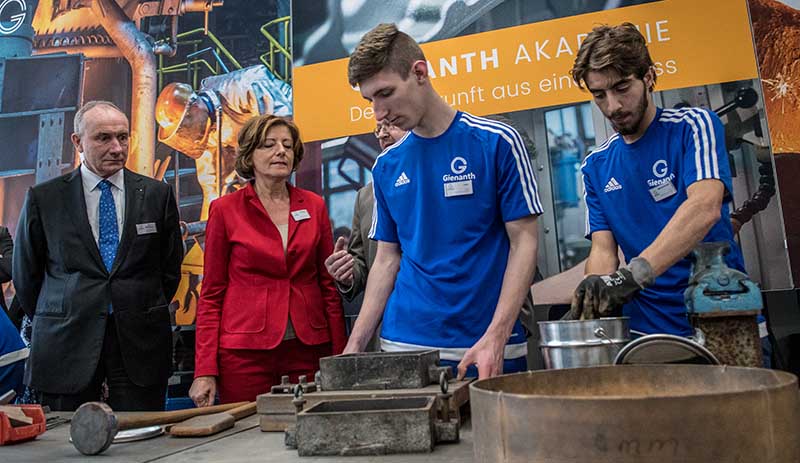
[(94, 424)]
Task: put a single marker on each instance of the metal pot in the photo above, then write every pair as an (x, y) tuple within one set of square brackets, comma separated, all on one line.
[(637, 413), (582, 343)]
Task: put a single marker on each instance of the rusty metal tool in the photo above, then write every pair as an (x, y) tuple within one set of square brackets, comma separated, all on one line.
[(724, 304)]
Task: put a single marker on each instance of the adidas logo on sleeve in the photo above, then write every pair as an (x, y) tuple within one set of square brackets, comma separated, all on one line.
[(612, 185), (403, 180)]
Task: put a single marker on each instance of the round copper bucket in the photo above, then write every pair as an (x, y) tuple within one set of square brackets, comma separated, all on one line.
[(638, 413)]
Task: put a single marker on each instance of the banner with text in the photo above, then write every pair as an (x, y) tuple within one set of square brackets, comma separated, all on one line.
[(528, 66)]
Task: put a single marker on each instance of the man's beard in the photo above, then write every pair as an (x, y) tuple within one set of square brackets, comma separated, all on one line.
[(637, 115)]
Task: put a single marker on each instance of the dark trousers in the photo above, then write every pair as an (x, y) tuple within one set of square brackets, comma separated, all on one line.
[(123, 394)]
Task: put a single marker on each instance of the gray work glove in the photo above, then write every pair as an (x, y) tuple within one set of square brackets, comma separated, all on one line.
[(604, 295)]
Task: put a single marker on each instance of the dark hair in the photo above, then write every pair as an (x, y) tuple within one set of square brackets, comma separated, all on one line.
[(620, 48), (253, 135), (384, 47)]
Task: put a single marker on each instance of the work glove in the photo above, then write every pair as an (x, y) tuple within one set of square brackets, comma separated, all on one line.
[(604, 295)]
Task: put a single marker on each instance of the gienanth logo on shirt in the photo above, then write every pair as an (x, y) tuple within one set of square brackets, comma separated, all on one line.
[(458, 166), (660, 170)]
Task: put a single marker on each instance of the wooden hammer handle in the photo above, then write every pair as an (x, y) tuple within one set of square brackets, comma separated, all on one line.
[(243, 411), (140, 420)]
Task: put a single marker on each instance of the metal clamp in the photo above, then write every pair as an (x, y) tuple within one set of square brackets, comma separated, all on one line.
[(298, 400), (290, 433), (286, 387), (447, 429)]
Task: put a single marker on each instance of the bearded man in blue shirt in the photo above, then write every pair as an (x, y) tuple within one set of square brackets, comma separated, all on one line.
[(655, 189)]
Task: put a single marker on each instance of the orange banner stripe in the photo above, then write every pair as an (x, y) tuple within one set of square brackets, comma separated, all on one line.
[(527, 66)]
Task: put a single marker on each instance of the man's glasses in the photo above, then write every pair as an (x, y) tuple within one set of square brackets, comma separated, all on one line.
[(382, 127)]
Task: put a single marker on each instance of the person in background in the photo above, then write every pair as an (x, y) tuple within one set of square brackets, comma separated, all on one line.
[(96, 263), (14, 344), (13, 310), (268, 306), (12, 357), (351, 259)]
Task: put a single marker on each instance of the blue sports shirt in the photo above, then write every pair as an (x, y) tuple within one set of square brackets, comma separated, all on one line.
[(633, 190), (445, 200)]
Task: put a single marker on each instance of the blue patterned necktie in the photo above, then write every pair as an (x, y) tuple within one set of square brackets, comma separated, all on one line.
[(109, 230)]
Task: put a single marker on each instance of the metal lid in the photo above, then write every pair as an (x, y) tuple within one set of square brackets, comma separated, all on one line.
[(664, 349)]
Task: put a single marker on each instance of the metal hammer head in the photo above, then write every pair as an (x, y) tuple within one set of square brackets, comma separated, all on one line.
[(93, 428)]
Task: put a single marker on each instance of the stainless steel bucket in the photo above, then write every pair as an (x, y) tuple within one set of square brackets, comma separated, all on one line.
[(582, 343)]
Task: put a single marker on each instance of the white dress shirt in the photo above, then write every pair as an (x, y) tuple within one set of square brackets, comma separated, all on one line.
[(92, 195)]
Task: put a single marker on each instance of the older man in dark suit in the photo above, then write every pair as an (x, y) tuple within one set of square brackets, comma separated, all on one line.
[(97, 262), (350, 267)]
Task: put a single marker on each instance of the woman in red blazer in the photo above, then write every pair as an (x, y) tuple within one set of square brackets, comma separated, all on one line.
[(268, 306)]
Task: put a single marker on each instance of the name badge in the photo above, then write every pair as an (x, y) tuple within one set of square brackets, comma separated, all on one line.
[(146, 228), (458, 188), (663, 191), (302, 214)]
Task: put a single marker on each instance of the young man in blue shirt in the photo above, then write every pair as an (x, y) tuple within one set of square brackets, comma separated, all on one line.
[(656, 188), (457, 195)]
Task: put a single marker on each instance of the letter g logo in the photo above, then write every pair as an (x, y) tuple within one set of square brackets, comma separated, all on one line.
[(458, 165), (660, 168)]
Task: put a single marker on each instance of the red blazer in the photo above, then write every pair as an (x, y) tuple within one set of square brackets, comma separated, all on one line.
[(250, 287)]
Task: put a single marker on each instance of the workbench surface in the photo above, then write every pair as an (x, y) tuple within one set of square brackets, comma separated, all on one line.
[(244, 443)]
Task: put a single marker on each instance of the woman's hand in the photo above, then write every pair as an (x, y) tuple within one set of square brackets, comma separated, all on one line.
[(203, 390)]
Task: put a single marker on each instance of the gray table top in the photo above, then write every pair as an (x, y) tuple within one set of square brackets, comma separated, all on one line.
[(244, 443)]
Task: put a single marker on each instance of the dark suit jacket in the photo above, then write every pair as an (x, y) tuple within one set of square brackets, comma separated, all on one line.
[(60, 277), (250, 286), (360, 246)]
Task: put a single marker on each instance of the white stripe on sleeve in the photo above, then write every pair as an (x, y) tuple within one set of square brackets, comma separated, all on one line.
[(699, 136), (374, 225), (388, 150), (517, 149)]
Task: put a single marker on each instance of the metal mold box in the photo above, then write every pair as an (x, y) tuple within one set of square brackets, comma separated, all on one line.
[(380, 370), (367, 427)]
